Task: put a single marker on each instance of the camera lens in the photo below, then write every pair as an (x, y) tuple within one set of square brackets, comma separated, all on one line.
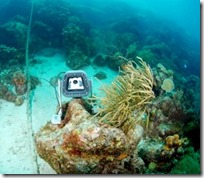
[(75, 82)]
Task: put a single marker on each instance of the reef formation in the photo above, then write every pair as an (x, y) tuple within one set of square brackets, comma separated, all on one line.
[(168, 116), (83, 145), (141, 127)]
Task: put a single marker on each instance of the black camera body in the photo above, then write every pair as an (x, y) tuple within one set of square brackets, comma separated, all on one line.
[(76, 84)]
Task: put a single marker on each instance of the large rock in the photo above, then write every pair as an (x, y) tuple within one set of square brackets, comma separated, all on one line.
[(83, 145)]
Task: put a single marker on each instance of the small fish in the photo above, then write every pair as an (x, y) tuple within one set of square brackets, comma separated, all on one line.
[(185, 66)]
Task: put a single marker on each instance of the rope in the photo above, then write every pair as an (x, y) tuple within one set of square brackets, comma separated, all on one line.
[(29, 95)]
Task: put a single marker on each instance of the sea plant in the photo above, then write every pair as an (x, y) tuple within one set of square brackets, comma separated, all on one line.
[(126, 98)]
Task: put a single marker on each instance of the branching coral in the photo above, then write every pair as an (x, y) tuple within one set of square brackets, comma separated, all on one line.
[(127, 96)]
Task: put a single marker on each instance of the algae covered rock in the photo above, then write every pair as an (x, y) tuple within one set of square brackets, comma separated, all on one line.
[(15, 31), (100, 75), (8, 95), (80, 144), (77, 60)]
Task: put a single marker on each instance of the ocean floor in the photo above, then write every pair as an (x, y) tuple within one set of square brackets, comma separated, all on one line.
[(20, 123)]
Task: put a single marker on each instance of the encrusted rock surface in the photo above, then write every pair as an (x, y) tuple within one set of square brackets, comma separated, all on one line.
[(83, 145)]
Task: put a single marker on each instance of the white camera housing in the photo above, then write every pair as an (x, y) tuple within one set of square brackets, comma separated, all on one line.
[(76, 84)]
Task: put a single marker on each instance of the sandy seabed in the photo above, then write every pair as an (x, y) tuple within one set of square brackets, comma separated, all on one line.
[(20, 123)]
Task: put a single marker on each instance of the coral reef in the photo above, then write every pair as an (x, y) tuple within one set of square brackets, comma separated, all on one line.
[(148, 55), (76, 37), (174, 146), (161, 155), (150, 150), (125, 99), (8, 95), (100, 75), (55, 15), (83, 145), (77, 60), (173, 141), (10, 56), (7, 52), (20, 82), (115, 61), (163, 79), (131, 51), (167, 85), (16, 31), (99, 60), (167, 115), (34, 82), (188, 164), (73, 31), (165, 140), (14, 77)]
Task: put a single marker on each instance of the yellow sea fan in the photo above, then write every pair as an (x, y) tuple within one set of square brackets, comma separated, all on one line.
[(125, 99)]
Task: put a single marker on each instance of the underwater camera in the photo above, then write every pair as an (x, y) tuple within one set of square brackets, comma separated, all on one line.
[(76, 84)]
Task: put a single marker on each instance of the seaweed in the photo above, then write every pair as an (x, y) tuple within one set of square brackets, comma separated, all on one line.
[(125, 99)]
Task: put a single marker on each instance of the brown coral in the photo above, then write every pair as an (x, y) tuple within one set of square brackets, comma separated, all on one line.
[(8, 95), (173, 141), (19, 81), (19, 78)]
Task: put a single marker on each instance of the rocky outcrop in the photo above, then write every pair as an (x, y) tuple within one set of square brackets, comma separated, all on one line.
[(80, 144)]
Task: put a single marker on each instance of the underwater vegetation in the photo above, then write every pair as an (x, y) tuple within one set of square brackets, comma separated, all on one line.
[(72, 29), (188, 164), (125, 99), (149, 134), (148, 121)]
